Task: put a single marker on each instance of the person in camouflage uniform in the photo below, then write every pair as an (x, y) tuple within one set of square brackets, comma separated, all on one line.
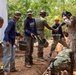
[(40, 24), (30, 31), (70, 21), (58, 37)]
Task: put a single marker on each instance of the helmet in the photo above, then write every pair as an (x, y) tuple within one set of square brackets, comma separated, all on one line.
[(43, 12), (17, 14), (45, 42), (56, 18), (66, 13), (29, 11)]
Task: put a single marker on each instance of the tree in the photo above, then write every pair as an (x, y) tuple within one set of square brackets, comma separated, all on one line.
[(52, 7)]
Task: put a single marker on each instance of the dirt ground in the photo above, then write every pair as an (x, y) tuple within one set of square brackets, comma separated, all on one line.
[(38, 67)]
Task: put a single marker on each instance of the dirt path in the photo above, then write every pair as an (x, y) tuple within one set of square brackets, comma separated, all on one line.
[(39, 66)]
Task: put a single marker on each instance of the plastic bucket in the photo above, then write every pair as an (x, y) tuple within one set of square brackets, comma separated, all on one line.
[(22, 45)]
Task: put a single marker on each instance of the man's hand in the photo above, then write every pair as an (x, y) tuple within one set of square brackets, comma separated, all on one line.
[(39, 37), (32, 35), (21, 36), (63, 39), (56, 30), (7, 43)]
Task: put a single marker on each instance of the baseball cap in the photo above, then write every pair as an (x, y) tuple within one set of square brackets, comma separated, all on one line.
[(66, 13)]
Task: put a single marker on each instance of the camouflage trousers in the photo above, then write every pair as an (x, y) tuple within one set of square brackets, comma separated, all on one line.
[(73, 47), (55, 42), (29, 50), (40, 45), (40, 49)]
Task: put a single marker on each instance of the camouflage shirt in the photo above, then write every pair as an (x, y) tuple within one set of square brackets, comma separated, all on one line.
[(71, 27), (40, 22)]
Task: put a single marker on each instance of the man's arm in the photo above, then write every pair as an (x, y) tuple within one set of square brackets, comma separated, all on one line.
[(35, 28), (7, 30), (51, 28), (47, 26)]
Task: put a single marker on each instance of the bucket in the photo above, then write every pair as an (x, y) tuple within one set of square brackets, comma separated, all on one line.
[(45, 42), (22, 45)]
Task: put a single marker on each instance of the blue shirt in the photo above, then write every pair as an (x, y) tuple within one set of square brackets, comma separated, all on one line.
[(59, 30), (30, 27), (10, 32)]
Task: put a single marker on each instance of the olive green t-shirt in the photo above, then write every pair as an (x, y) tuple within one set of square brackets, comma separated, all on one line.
[(40, 23)]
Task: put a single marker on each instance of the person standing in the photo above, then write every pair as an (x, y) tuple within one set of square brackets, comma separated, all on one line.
[(8, 41), (41, 23), (30, 31), (70, 21), (58, 36)]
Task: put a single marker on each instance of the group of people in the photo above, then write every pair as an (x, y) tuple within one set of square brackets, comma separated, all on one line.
[(35, 28)]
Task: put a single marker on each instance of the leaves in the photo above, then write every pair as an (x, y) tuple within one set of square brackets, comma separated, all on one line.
[(52, 7)]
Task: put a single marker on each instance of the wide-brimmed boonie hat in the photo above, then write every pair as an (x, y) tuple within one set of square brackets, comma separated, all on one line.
[(17, 14), (29, 11)]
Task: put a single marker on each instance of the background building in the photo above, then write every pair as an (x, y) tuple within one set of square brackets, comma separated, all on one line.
[(3, 14)]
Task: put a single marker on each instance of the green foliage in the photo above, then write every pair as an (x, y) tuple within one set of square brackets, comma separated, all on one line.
[(52, 7)]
